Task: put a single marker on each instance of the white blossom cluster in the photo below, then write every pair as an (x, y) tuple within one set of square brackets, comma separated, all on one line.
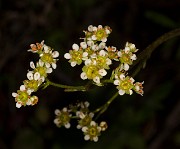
[(37, 75)]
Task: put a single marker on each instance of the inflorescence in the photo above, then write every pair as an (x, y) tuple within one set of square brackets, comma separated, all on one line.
[(84, 117), (37, 75), (96, 59)]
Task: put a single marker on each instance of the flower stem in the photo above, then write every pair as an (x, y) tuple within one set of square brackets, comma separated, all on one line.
[(104, 107), (66, 87)]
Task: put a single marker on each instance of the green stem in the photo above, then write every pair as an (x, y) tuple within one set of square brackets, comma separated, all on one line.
[(104, 107), (66, 87)]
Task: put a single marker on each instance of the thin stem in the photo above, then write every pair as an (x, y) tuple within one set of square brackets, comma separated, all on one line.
[(66, 87), (104, 107)]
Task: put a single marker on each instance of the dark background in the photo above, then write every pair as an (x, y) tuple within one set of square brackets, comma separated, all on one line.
[(135, 122)]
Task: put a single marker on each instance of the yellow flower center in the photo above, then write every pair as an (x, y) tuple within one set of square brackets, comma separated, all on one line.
[(47, 57), (100, 34)]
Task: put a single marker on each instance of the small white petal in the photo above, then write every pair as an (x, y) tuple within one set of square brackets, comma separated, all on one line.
[(28, 102), (95, 47), (47, 65), (87, 62), (132, 46), (102, 45), (95, 139), (126, 67), (86, 137), (108, 61), (73, 64), (94, 28), (56, 121), (46, 49), (86, 103), (54, 66), (79, 127), (75, 47), (22, 88), (116, 82), (36, 76), (133, 57), (83, 45), (104, 39), (90, 43), (83, 76), (132, 80), (137, 88), (32, 65), (30, 75), (29, 91), (119, 54), (90, 28), (68, 125), (102, 72), (99, 26), (102, 53), (41, 63), (93, 123), (49, 70), (107, 31), (57, 112), (85, 54), (130, 92), (55, 54), (122, 76), (96, 80), (18, 105), (94, 37), (121, 92), (84, 129), (14, 94), (127, 49), (67, 56)]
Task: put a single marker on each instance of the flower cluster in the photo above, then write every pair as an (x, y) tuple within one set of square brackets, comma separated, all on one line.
[(92, 53), (97, 57), (84, 117), (37, 75)]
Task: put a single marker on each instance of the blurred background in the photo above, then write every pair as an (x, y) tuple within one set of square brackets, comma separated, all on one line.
[(151, 121)]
